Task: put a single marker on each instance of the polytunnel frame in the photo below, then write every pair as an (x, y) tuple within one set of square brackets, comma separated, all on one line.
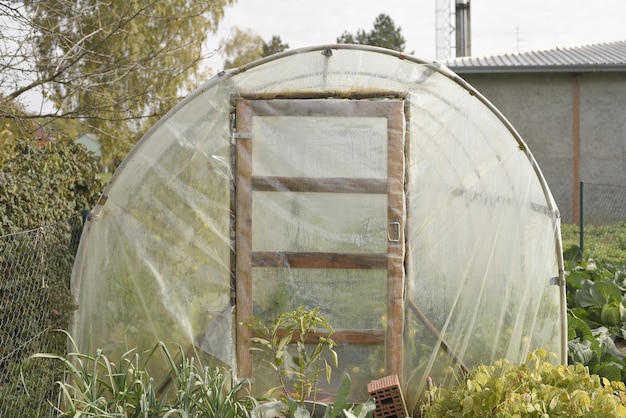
[(223, 76)]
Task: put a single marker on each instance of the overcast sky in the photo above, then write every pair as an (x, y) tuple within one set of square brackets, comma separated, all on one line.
[(497, 26)]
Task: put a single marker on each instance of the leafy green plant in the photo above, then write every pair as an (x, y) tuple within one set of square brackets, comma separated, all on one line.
[(339, 408), (342, 406), (596, 315), (299, 374), (581, 270), (536, 388), (596, 350), (97, 386), (303, 369), (600, 304)]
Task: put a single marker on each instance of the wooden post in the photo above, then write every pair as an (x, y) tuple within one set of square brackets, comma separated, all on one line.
[(243, 247), (395, 217)]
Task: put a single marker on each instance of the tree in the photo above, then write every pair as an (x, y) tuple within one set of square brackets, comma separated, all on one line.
[(274, 46), (116, 65), (384, 34), (241, 47), (245, 46)]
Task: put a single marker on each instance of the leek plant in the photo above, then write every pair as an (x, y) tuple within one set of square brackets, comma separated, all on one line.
[(96, 386)]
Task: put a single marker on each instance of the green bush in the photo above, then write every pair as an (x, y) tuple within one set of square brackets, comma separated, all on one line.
[(41, 185), (43, 190), (537, 388)]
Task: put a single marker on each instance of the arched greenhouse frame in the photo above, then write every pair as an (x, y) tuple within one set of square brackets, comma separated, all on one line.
[(381, 188)]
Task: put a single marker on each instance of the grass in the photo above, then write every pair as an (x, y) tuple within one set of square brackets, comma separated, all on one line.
[(605, 244), (105, 177)]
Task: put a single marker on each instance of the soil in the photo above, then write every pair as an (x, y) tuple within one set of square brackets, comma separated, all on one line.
[(621, 345)]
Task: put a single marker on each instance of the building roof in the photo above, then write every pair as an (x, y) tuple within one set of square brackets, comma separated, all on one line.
[(610, 56)]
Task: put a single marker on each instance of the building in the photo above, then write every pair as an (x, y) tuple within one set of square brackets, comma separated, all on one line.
[(90, 141), (568, 105)]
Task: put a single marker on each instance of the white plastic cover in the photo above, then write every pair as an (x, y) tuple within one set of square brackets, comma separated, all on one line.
[(378, 187)]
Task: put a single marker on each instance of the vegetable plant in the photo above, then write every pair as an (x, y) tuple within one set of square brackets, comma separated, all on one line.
[(299, 374), (97, 386), (537, 388)]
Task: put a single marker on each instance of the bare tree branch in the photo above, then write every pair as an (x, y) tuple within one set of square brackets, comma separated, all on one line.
[(114, 65)]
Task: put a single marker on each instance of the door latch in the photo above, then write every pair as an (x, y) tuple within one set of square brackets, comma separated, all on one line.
[(394, 231)]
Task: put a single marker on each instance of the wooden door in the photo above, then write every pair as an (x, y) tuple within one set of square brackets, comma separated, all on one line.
[(320, 187)]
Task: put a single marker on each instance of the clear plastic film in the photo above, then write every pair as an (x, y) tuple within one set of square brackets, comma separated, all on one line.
[(378, 187)]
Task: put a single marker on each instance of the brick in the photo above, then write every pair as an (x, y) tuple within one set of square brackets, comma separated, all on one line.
[(389, 399)]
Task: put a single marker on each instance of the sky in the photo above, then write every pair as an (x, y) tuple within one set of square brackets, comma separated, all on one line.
[(497, 26)]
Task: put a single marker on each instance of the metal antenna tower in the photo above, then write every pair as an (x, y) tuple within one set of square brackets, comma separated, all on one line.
[(443, 29)]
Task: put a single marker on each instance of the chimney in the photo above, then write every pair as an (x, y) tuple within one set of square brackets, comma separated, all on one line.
[(463, 33)]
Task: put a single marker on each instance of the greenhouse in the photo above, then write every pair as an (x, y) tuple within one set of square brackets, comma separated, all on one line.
[(378, 187)]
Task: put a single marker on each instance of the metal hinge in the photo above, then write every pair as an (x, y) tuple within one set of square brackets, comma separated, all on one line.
[(557, 281), (242, 135)]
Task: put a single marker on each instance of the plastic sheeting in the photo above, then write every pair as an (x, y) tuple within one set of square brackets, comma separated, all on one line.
[(381, 188)]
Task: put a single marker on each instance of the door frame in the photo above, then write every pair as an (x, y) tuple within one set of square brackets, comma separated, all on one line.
[(393, 186)]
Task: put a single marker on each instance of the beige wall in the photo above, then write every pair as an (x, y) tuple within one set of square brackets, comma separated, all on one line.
[(540, 107)]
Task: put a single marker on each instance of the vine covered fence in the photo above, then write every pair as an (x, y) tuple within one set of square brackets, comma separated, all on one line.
[(35, 303)]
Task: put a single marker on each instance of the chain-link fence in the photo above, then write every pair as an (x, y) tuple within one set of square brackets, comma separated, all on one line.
[(602, 215), (35, 302)]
